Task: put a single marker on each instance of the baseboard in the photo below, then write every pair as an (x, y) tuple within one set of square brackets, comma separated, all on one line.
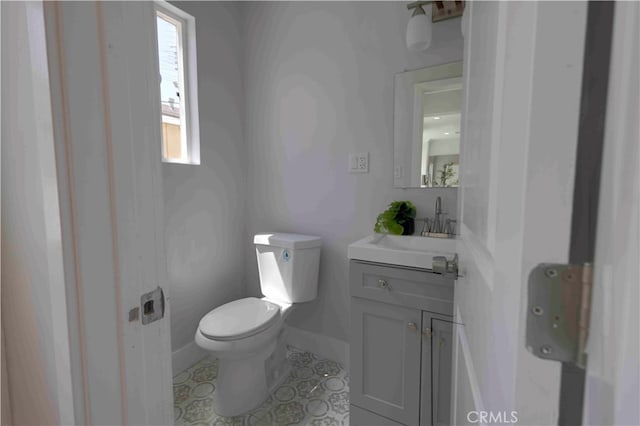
[(186, 356), (324, 346)]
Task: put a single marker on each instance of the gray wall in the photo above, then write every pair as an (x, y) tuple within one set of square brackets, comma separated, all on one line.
[(319, 85), (205, 204)]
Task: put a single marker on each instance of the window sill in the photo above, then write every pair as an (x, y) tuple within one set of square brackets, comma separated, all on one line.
[(189, 163)]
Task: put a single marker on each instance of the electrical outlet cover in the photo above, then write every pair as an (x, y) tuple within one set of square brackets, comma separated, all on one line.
[(359, 162)]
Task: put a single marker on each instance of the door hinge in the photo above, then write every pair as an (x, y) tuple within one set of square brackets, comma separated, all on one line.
[(558, 311)]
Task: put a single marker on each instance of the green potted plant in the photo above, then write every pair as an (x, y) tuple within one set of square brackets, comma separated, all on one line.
[(447, 173), (398, 219)]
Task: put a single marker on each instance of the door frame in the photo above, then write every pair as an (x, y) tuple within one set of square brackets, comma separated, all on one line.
[(582, 246), (612, 385), (36, 379)]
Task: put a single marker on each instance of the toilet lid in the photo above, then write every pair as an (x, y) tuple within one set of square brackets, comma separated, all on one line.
[(238, 319)]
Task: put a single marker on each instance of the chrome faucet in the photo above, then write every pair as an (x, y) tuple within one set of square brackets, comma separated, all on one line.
[(436, 227), (438, 222)]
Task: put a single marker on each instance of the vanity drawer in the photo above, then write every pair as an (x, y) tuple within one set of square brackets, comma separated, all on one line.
[(402, 286)]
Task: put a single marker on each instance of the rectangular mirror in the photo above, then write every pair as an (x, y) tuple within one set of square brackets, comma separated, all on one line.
[(427, 109)]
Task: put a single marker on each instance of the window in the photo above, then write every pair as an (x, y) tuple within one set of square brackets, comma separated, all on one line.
[(178, 84)]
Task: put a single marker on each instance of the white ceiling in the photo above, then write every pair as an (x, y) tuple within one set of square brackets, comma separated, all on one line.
[(438, 128)]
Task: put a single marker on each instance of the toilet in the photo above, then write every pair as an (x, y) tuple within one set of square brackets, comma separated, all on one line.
[(244, 334)]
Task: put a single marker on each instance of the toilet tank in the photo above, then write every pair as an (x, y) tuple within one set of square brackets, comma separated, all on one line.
[(288, 265)]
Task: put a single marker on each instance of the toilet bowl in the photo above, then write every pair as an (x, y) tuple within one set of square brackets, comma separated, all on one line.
[(244, 334)]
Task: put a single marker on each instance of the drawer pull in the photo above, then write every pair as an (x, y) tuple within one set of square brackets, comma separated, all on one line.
[(383, 284), (412, 326)]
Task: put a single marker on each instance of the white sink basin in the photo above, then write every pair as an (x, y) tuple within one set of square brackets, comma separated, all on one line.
[(416, 252)]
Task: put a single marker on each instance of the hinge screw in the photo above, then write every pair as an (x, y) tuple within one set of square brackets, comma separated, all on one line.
[(537, 310), (546, 349), (551, 273)]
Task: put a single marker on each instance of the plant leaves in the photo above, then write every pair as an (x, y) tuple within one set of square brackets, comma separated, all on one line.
[(396, 229), (391, 220)]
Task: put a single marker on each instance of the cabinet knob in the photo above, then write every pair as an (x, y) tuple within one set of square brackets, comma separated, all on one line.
[(383, 284), (412, 326), (427, 332)]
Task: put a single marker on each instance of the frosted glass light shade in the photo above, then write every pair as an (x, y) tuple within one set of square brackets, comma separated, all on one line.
[(419, 32)]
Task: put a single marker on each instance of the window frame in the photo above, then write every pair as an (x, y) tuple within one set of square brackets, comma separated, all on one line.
[(187, 76)]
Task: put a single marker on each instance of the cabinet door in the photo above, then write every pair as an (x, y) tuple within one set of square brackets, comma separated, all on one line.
[(385, 359), (436, 370)]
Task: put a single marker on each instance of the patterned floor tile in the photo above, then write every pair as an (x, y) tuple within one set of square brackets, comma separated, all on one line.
[(315, 393)]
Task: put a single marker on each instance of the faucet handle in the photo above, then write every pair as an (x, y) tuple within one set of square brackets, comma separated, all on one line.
[(451, 226), (426, 227)]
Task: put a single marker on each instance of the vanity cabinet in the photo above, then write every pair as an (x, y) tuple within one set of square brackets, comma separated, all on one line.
[(400, 345)]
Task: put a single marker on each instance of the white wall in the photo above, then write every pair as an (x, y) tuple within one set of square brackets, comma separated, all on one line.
[(205, 204), (34, 314), (319, 85)]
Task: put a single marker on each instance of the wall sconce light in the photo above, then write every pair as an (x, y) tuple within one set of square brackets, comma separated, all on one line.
[(419, 28)]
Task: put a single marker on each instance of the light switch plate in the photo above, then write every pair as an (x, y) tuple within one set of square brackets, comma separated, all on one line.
[(359, 162)]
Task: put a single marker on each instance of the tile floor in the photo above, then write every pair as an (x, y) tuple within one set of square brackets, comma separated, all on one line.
[(316, 393)]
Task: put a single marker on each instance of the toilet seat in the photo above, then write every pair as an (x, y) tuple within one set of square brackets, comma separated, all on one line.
[(239, 319)]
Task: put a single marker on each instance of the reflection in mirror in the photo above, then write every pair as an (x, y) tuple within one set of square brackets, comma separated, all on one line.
[(427, 127), (441, 102)]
